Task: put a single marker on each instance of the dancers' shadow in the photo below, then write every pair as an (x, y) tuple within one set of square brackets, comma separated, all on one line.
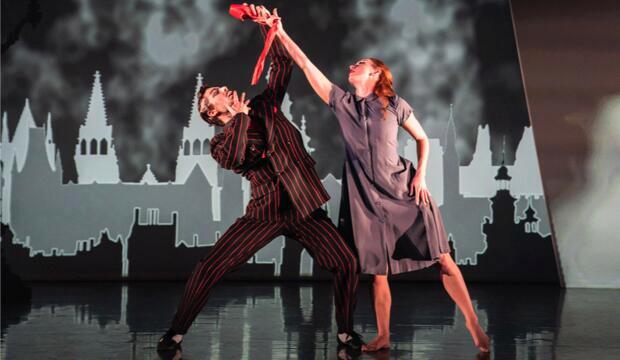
[(170, 355), (386, 354)]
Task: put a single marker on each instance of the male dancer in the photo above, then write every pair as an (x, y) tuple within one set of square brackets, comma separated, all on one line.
[(258, 142)]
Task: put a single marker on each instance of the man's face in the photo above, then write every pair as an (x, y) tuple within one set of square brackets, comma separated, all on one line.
[(218, 97)]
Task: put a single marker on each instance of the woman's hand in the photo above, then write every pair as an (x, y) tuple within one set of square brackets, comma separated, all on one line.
[(238, 105), (264, 17), (418, 187)]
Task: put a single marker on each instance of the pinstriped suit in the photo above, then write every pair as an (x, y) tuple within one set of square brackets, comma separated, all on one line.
[(287, 194)]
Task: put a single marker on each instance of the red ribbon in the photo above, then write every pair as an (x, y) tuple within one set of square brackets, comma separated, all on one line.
[(242, 12)]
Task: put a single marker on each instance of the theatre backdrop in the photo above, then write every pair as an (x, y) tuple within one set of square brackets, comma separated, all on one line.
[(106, 170)]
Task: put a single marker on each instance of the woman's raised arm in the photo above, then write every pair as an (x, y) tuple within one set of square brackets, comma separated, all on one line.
[(319, 82)]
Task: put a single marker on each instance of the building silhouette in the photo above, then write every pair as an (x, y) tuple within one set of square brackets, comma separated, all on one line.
[(164, 260), (205, 199), (93, 259), (516, 251)]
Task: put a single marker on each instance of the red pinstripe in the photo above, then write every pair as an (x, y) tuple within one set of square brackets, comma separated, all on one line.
[(247, 244), (286, 198), (225, 256), (287, 159), (319, 234), (246, 236)]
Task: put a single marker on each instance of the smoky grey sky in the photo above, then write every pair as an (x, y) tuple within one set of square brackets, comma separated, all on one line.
[(149, 52)]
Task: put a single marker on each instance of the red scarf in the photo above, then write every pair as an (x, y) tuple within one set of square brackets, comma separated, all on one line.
[(242, 12)]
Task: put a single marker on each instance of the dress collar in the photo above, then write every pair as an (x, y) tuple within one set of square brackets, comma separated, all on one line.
[(370, 97)]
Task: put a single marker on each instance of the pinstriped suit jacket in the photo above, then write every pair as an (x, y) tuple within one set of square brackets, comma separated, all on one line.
[(267, 149)]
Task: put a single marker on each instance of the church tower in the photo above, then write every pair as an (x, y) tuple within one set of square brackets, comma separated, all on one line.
[(95, 154), (195, 151)]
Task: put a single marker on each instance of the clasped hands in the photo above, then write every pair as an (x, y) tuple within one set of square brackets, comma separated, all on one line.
[(263, 16)]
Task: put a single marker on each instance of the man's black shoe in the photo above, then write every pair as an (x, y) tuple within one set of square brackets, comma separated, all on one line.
[(353, 341), (166, 343)]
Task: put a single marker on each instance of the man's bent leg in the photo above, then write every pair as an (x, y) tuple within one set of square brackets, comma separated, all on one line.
[(321, 238), (236, 246)]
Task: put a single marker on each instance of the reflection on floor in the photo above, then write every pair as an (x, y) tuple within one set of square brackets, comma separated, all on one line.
[(295, 321)]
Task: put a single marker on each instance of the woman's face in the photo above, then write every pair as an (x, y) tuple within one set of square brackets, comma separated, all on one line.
[(361, 71)]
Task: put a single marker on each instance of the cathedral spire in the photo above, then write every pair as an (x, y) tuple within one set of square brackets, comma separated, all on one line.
[(304, 135), (450, 136), (149, 176), (22, 135), (199, 83), (50, 146), (7, 167), (197, 126), (96, 122), (451, 161), (5, 133)]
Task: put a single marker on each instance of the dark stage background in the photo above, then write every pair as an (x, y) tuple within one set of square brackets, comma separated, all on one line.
[(571, 64), (106, 171)]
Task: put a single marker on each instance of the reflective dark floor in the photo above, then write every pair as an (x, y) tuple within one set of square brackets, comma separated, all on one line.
[(295, 321)]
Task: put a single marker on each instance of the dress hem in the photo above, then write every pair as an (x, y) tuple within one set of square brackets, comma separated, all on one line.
[(426, 264)]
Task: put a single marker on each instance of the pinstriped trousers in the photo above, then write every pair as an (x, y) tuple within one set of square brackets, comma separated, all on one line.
[(246, 236)]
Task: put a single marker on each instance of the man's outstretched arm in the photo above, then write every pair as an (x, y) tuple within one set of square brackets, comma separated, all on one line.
[(280, 69)]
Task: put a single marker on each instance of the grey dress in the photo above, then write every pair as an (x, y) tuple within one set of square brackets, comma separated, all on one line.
[(389, 231)]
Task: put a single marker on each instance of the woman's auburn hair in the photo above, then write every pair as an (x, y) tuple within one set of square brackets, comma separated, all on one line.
[(384, 89)]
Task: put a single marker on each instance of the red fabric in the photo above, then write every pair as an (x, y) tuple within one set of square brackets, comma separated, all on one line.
[(242, 12)]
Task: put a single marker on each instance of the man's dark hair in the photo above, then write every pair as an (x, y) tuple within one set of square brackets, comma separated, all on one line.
[(211, 120)]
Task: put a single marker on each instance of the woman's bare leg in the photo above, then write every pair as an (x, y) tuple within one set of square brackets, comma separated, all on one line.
[(454, 284), (382, 303)]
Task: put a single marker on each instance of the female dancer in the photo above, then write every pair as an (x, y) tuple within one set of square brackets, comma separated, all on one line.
[(386, 207)]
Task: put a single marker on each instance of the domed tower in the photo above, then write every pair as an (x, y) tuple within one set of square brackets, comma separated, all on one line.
[(503, 203), (95, 155), (530, 222)]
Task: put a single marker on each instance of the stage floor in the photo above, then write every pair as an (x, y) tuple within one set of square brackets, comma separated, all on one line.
[(295, 321)]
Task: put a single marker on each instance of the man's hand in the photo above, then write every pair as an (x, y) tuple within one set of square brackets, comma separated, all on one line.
[(263, 16), (238, 105)]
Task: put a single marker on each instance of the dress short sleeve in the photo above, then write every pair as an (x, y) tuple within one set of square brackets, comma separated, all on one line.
[(403, 110), (338, 98)]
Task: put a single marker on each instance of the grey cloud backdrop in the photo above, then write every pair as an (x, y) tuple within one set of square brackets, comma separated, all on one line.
[(149, 53)]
